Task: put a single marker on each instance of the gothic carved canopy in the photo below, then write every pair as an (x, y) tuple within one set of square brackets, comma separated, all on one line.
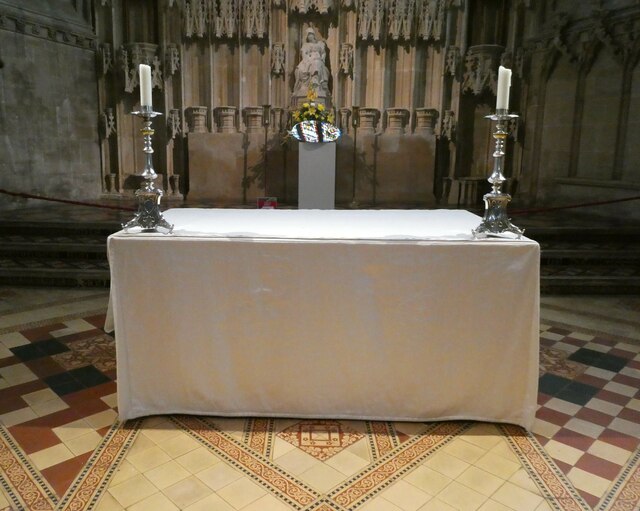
[(400, 18), (305, 6), (397, 20), (225, 18)]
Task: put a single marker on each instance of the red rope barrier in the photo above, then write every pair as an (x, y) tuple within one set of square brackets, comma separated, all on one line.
[(124, 208), (65, 201), (571, 206)]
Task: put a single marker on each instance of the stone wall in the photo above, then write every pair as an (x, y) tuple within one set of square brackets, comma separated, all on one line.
[(48, 102), (215, 63), (582, 103), (391, 169), (423, 73)]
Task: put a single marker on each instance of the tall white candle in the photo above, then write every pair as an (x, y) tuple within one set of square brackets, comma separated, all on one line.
[(145, 85), (504, 83)]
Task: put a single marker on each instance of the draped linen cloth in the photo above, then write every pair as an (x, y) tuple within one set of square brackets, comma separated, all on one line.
[(381, 315)]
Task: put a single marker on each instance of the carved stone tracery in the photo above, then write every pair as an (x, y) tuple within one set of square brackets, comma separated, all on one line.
[(306, 6), (196, 16), (173, 122), (481, 68), (431, 16), (106, 58), (452, 60), (346, 59), (156, 73), (277, 59), (108, 123), (370, 19), (226, 19), (134, 54), (400, 15), (255, 18), (171, 59), (220, 18), (448, 125)]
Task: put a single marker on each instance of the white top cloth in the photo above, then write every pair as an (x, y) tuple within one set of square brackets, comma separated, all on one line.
[(316, 224)]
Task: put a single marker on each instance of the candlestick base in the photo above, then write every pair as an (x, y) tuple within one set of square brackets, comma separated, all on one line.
[(149, 217), (495, 221)]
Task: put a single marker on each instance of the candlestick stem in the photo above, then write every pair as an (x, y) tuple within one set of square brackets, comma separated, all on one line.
[(496, 221), (355, 122), (148, 217), (354, 202)]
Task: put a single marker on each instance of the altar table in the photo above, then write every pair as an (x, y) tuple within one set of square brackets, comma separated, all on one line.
[(381, 315)]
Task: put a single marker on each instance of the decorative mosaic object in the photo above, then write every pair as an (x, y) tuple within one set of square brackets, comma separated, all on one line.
[(556, 362), (315, 131), (322, 439)]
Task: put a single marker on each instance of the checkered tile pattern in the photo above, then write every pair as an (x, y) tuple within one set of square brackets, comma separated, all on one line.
[(589, 406), (58, 400), (58, 394)]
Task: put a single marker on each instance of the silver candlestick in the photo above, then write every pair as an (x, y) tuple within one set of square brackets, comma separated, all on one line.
[(148, 216), (355, 123), (495, 219)]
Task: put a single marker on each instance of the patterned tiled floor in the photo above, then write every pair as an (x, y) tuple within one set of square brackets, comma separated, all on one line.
[(62, 448), (589, 416)]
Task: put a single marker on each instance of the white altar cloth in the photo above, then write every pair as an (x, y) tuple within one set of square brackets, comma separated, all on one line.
[(390, 315)]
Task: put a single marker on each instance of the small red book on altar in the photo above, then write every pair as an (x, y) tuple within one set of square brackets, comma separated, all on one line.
[(267, 202)]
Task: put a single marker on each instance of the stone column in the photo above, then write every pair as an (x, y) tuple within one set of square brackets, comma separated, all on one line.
[(198, 119), (369, 118), (175, 184), (345, 120), (252, 116), (397, 119), (111, 183), (225, 117), (426, 119), (278, 119)]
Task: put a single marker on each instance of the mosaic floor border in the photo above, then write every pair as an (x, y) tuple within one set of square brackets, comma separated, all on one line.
[(554, 484), (29, 491)]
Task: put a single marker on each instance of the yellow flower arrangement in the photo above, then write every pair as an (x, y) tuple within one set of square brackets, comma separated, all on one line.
[(312, 111)]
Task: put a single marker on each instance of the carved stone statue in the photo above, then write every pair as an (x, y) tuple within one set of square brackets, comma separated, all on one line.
[(312, 72)]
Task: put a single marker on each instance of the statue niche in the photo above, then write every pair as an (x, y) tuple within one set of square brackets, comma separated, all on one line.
[(312, 71)]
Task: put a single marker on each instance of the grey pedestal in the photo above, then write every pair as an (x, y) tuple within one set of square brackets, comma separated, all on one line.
[(317, 176)]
